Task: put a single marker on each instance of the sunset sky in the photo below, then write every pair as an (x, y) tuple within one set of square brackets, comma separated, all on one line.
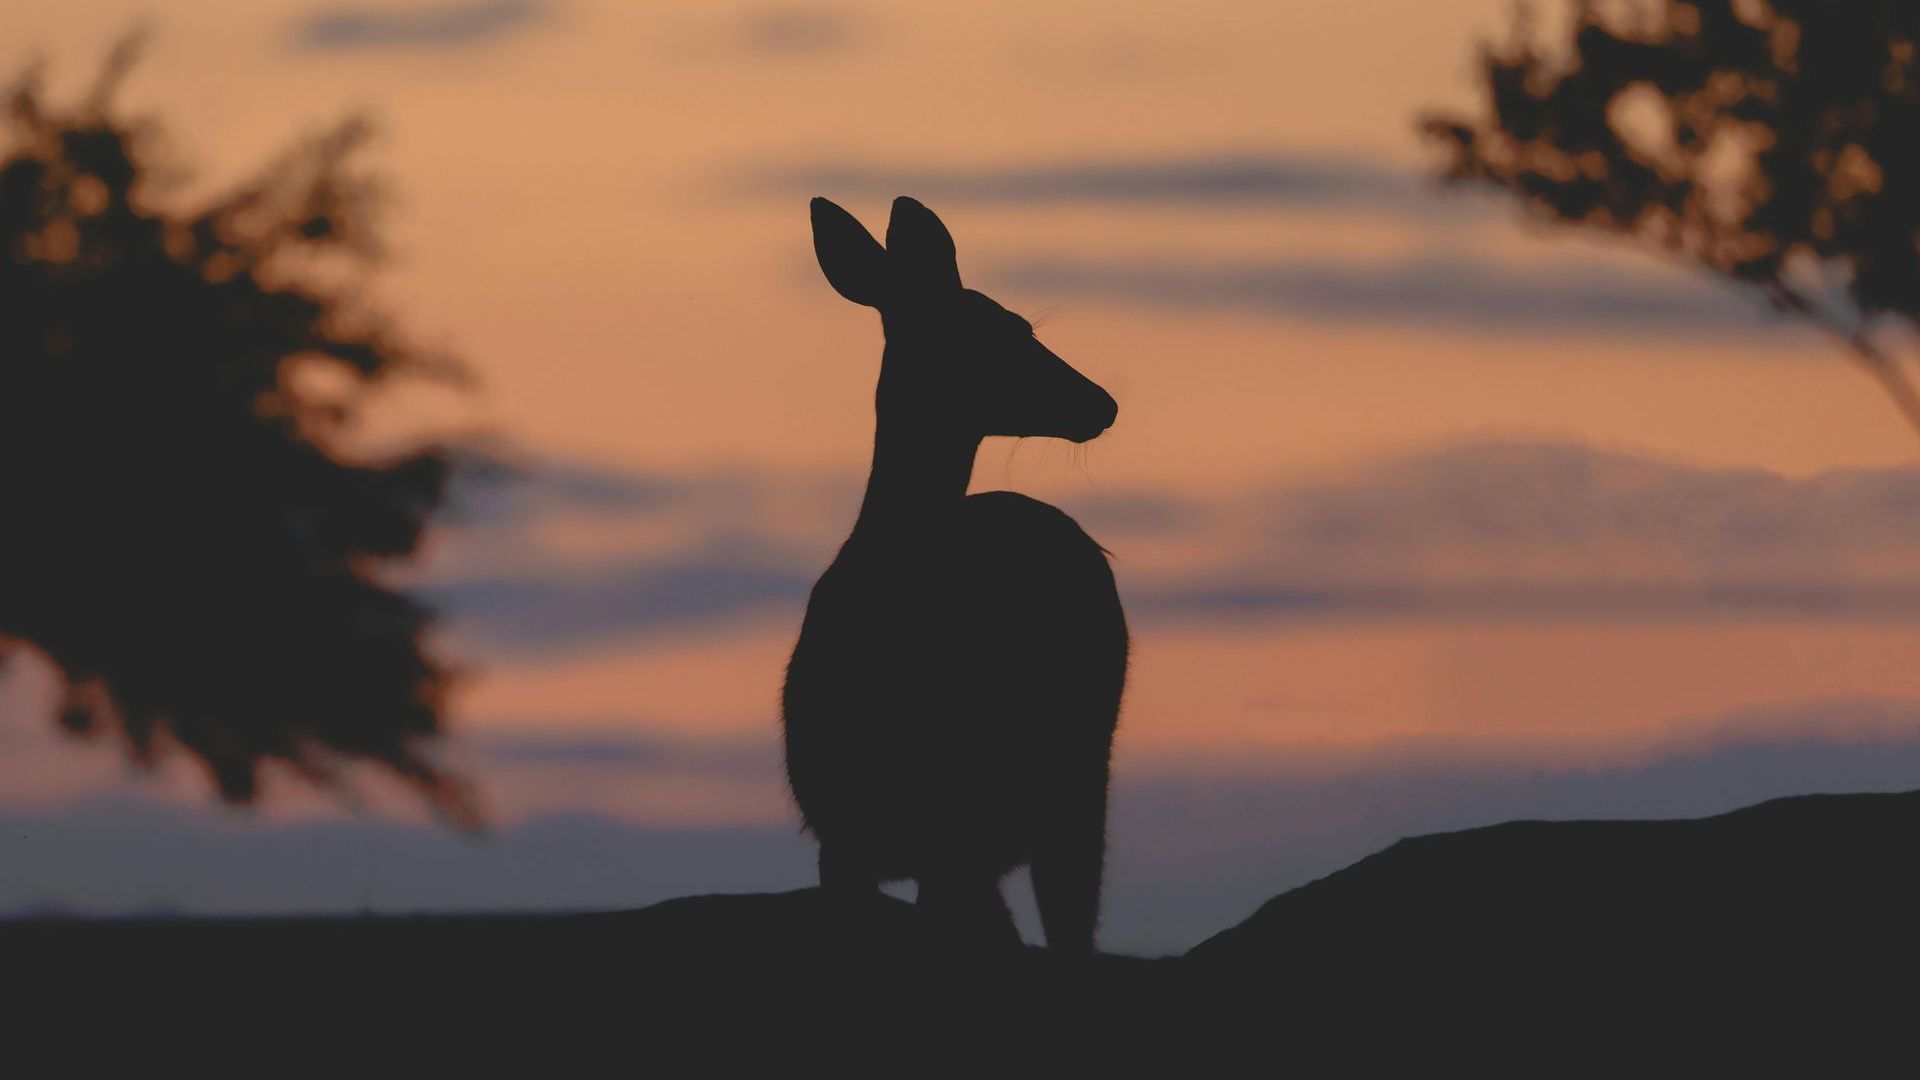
[(1425, 519)]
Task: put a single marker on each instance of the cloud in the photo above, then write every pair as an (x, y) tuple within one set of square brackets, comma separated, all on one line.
[(615, 750), (1455, 291), (1565, 529), (1133, 513), (798, 31), (1241, 181), (1195, 847), (1542, 529), (505, 489), (622, 598), (545, 555), (1451, 288), (444, 26), (1537, 601)]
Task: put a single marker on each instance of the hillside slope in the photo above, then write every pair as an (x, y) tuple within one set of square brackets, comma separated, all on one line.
[(1786, 935), (1790, 893)]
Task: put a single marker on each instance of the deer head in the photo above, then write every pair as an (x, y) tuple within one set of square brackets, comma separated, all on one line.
[(956, 362)]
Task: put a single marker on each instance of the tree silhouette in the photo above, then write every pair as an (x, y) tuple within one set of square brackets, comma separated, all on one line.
[(181, 533), (1774, 143)]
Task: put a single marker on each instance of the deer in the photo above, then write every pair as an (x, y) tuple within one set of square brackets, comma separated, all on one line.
[(950, 705)]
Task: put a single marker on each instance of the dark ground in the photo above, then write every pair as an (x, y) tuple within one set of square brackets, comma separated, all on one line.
[(1783, 939)]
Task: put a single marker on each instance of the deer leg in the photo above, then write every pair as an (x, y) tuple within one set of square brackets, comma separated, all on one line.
[(850, 964), (850, 893), (1069, 860), (965, 943)]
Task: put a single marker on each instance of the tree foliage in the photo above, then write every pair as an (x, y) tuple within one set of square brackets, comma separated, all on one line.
[(181, 533), (1774, 143)]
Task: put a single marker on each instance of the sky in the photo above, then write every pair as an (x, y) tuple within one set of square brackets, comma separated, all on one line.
[(1425, 518)]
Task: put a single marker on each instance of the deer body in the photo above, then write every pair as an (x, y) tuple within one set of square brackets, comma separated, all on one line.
[(950, 705)]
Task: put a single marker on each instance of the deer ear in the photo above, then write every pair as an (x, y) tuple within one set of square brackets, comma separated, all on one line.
[(855, 264), (921, 246)]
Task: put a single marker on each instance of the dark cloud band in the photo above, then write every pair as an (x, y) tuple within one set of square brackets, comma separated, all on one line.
[(1458, 291), (444, 27), (1238, 181), (1599, 534)]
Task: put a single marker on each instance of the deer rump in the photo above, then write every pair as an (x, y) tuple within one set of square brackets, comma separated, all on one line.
[(950, 696)]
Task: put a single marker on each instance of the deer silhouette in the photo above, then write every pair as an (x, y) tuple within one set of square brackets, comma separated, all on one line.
[(950, 705)]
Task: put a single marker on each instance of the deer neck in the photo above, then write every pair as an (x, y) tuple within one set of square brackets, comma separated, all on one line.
[(921, 469)]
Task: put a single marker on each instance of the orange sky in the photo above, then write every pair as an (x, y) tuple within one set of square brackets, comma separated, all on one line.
[(562, 213), (573, 209)]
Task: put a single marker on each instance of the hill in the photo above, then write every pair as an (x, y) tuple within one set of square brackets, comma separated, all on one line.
[(1786, 894), (1782, 934)]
